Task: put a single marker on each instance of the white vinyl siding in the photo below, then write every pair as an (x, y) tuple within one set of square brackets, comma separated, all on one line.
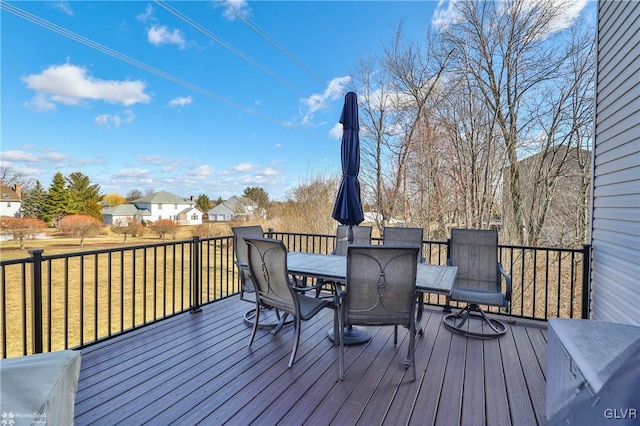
[(616, 172)]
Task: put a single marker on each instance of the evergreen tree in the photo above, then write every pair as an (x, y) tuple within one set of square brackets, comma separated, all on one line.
[(258, 195), (203, 202), (34, 202), (84, 197), (57, 200)]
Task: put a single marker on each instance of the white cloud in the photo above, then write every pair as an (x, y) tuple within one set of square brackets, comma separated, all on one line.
[(131, 173), (446, 13), (235, 8), (320, 101), (270, 171), (569, 12), (336, 131), (40, 103), (180, 102), (201, 172), (160, 34), (147, 15), (244, 167), (150, 159), (108, 120), (70, 85), (64, 7), (54, 157), (20, 156)]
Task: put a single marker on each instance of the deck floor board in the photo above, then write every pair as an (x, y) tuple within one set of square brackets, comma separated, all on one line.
[(193, 368)]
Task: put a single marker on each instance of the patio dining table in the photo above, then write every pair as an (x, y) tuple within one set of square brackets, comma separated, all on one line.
[(331, 268)]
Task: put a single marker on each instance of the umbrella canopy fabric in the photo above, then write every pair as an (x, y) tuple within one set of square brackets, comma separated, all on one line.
[(348, 206)]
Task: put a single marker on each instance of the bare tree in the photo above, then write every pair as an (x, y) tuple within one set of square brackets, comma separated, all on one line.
[(129, 226), (509, 53), (10, 176), (309, 206), (162, 227), (22, 228), (473, 158), (397, 93)]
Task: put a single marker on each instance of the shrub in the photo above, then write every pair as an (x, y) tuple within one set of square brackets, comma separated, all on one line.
[(22, 228), (80, 225)]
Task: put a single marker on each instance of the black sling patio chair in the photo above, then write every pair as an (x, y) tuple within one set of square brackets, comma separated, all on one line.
[(274, 287), (479, 281), (361, 235), (271, 317), (380, 291), (396, 236)]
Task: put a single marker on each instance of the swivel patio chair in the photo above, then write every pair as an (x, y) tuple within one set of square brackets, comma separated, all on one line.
[(380, 291), (270, 318), (274, 287), (479, 281)]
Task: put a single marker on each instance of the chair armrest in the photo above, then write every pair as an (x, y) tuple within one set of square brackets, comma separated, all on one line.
[(507, 280), (301, 284)]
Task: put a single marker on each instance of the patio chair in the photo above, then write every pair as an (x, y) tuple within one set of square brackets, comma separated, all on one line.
[(361, 235), (479, 281), (392, 236), (380, 291), (271, 317), (274, 287)]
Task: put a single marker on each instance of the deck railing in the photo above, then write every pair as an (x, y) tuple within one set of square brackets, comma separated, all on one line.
[(73, 300)]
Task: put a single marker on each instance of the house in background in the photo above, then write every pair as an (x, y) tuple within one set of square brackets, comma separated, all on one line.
[(11, 200), (236, 208), (120, 215), (160, 205)]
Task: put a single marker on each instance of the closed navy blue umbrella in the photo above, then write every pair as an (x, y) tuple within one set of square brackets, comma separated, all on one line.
[(348, 207)]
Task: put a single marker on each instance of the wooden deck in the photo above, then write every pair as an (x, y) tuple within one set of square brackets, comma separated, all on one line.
[(196, 368)]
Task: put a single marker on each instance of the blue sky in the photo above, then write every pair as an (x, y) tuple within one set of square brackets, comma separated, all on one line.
[(191, 97), (186, 96)]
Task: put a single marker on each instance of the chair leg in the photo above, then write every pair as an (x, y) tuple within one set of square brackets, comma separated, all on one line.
[(296, 339), (341, 333), (255, 324), (451, 322), (395, 335), (281, 322), (412, 350)]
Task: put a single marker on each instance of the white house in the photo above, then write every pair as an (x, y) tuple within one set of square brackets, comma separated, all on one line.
[(11, 200), (122, 213), (160, 205), (236, 207)]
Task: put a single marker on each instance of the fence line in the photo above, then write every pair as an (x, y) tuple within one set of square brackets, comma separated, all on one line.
[(55, 302)]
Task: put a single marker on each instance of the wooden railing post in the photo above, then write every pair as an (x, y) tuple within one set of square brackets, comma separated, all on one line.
[(195, 265), (36, 300), (586, 281)]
